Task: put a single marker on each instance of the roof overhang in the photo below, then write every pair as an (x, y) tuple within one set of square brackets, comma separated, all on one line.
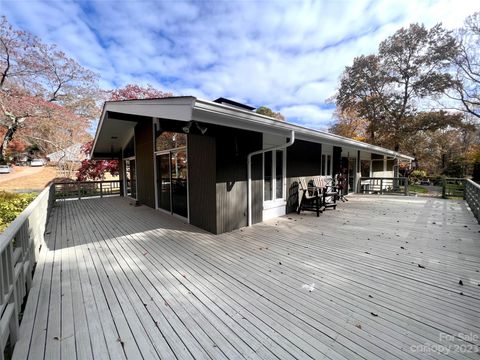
[(120, 117), (210, 112)]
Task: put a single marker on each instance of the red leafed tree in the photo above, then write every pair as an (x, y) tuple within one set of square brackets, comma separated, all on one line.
[(95, 169)]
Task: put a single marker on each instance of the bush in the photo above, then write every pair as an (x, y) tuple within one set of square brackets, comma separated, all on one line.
[(11, 205), (417, 175)]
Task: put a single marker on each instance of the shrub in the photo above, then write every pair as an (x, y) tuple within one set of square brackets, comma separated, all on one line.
[(11, 205)]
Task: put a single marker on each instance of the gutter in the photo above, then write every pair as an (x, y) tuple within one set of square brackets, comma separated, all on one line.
[(249, 170)]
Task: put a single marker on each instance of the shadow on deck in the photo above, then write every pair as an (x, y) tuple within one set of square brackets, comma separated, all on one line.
[(378, 278)]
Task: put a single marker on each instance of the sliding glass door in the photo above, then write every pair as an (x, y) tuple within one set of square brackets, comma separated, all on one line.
[(172, 184), (164, 182)]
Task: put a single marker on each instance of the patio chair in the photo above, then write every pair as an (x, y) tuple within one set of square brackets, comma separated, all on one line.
[(309, 197), (329, 192)]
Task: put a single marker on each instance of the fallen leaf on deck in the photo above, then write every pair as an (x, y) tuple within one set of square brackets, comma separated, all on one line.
[(309, 287)]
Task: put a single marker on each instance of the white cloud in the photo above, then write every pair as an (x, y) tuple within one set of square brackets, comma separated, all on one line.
[(286, 55)]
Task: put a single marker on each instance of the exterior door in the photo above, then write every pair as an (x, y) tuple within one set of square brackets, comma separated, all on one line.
[(179, 182), (172, 184), (163, 182), (351, 174)]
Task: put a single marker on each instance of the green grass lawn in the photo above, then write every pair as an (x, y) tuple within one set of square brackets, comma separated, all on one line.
[(417, 188)]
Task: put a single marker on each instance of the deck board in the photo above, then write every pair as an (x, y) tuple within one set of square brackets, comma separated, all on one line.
[(118, 281)]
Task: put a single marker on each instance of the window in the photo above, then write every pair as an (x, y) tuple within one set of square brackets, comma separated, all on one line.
[(329, 164), (268, 165), (167, 140), (365, 168), (273, 175), (279, 175)]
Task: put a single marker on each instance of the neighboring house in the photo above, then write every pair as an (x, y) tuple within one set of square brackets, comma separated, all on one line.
[(219, 164), (71, 154)]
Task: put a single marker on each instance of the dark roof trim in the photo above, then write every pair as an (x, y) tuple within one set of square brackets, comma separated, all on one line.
[(225, 101)]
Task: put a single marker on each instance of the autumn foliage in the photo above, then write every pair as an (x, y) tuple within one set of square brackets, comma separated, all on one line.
[(95, 169), (46, 98)]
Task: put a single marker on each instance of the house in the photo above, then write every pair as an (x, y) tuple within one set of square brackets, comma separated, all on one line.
[(220, 165), (72, 153)]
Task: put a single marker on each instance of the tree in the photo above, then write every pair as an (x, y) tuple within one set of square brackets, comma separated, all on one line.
[(390, 88), (349, 124), (96, 169), (263, 110), (41, 86), (131, 91), (467, 67)]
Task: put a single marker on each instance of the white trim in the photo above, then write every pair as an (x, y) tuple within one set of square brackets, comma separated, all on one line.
[(274, 211), (249, 171)]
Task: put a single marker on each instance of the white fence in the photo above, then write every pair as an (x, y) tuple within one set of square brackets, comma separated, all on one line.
[(19, 248), (472, 196)]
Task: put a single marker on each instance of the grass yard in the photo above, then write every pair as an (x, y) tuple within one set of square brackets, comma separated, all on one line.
[(31, 182), (417, 188)]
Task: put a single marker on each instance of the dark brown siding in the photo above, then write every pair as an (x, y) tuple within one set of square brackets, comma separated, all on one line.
[(303, 159), (144, 163), (233, 146), (202, 182)]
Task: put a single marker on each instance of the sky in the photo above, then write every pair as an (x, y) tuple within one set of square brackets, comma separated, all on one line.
[(287, 55)]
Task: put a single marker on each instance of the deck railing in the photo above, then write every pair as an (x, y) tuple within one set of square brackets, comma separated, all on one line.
[(453, 188), (472, 196), (383, 185), (83, 189), (20, 244)]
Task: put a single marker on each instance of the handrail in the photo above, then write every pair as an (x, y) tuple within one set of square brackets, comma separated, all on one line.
[(453, 187), (83, 189), (472, 197), (383, 185), (20, 245)]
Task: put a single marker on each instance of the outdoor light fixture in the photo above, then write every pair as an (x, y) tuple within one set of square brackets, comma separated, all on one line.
[(186, 129), (203, 130)]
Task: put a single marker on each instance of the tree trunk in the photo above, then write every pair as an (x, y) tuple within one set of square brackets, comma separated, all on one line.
[(6, 140)]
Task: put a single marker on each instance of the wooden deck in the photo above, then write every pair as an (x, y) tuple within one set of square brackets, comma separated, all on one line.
[(378, 278)]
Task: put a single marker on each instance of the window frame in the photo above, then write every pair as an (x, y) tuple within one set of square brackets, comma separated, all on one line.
[(274, 199)]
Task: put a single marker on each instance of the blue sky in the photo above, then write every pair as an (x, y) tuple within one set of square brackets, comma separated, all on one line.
[(287, 55)]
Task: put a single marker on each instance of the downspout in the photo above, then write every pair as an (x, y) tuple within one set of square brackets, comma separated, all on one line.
[(249, 170)]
